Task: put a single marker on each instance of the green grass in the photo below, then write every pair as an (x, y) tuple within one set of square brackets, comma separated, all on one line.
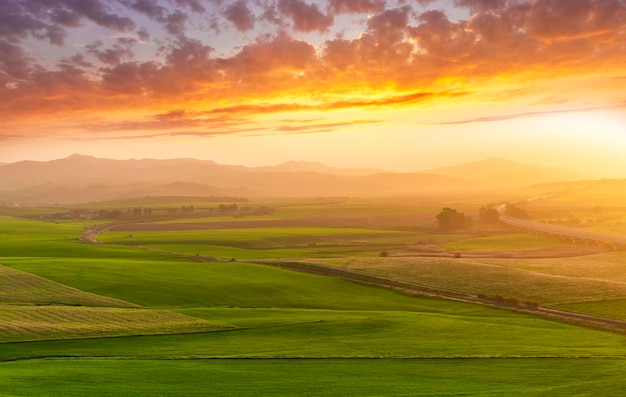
[(470, 377), (279, 242), (611, 308), (185, 283), (24, 288), (259, 238), (504, 241), (46, 239), (348, 334), (334, 337)]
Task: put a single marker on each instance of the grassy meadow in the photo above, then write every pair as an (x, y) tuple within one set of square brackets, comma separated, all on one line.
[(111, 319), (306, 377)]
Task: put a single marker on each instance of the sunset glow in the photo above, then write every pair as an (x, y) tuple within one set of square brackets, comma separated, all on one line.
[(394, 84)]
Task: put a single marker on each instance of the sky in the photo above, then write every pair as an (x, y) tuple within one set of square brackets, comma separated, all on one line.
[(402, 85)]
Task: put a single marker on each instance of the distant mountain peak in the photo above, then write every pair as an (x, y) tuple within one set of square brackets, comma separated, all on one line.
[(78, 156), (501, 171)]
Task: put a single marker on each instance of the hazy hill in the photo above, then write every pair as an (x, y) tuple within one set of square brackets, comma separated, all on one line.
[(496, 171), (604, 192), (418, 183), (78, 179), (94, 192), (313, 166)]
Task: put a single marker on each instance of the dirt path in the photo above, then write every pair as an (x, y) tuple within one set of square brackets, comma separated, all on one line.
[(576, 235), (90, 235)]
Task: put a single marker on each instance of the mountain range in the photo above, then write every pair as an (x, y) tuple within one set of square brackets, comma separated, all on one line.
[(81, 179)]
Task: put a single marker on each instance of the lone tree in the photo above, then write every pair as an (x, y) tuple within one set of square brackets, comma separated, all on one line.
[(450, 219)]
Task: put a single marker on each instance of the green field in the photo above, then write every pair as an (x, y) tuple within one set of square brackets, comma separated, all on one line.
[(506, 241), (266, 242), (25, 288), (110, 319), (305, 377)]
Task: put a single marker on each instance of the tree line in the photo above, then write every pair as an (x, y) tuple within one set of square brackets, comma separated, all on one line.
[(451, 219)]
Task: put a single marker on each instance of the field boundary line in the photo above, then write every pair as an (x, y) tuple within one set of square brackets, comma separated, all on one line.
[(265, 358), (406, 287)]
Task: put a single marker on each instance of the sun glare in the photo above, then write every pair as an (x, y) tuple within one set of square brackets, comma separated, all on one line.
[(593, 126)]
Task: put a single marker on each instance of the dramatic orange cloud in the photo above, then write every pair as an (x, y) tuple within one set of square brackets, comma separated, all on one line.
[(396, 71)]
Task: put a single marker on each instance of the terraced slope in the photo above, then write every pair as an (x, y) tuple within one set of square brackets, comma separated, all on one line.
[(20, 323), (34, 308), (18, 287)]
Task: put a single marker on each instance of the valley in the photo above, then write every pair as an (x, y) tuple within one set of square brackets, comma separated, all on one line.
[(242, 287)]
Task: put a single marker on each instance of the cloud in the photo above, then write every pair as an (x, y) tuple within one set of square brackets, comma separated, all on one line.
[(399, 49), (273, 16), (98, 12), (520, 115), (16, 24), (240, 15), (112, 56), (176, 23), (169, 121), (356, 6), (14, 63), (321, 127), (306, 17), (149, 8), (143, 35), (47, 19), (328, 105), (481, 5), (279, 54), (55, 35), (195, 5), (173, 22), (380, 54), (65, 17), (240, 119), (440, 40)]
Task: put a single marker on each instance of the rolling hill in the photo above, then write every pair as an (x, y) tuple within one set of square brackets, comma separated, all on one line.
[(79, 179), (496, 171)]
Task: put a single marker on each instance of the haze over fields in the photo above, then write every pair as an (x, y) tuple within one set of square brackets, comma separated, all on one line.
[(388, 84), (81, 179)]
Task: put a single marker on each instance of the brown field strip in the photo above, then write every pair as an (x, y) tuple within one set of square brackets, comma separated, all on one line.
[(22, 323), (297, 222), (415, 287), (547, 281), (18, 287)]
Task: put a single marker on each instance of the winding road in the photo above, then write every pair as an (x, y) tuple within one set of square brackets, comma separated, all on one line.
[(575, 235)]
